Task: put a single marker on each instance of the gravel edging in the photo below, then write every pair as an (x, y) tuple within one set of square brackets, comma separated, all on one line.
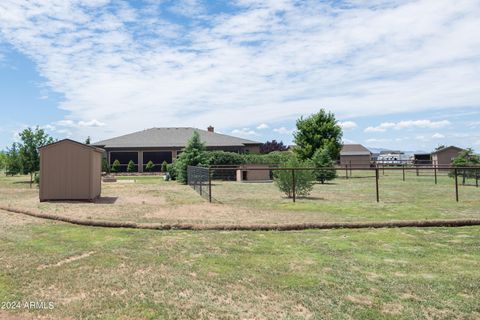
[(253, 227)]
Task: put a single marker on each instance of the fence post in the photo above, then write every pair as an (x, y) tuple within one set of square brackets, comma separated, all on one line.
[(376, 184), (350, 168), (346, 171), (293, 184), (435, 173), (209, 185), (456, 184), (403, 171)]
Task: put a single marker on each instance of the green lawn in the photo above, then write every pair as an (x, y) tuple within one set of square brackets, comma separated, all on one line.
[(355, 199), (94, 273)]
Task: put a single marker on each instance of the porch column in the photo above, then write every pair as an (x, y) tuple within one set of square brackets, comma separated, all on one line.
[(140, 161)]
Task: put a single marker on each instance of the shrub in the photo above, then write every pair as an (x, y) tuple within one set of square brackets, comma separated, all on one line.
[(172, 171), (273, 158), (303, 178), (150, 166), (115, 166), (321, 159), (466, 158), (217, 158), (105, 166), (131, 166), (36, 178), (164, 167)]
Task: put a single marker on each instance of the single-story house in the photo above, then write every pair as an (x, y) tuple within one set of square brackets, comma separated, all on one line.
[(70, 170), (443, 157), (355, 156), (165, 144)]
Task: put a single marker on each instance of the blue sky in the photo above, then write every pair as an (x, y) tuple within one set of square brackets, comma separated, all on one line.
[(398, 74)]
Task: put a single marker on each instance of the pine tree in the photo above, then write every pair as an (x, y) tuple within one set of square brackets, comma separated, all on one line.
[(131, 166)]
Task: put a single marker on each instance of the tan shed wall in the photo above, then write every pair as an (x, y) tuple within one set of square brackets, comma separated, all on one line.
[(355, 161), (66, 172), (96, 175)]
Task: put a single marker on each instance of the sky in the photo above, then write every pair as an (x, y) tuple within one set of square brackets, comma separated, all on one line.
[(398, 74)]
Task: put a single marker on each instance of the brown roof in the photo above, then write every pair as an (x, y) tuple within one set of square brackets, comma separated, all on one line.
[(446, 148), (172, 137), (354, 150), (75, 142)]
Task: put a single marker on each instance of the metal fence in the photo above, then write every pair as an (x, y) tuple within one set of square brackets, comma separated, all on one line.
[(199, 178)]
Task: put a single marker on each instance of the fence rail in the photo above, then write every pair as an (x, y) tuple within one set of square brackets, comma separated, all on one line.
[(200, 178)]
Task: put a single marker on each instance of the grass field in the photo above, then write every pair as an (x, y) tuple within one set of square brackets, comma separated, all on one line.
[(101, 273), (94, 273), (150, 199)]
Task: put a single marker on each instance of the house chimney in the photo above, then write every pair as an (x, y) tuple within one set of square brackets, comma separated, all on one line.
[(211, 129)]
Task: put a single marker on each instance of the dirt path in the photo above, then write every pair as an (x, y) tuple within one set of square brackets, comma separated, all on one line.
[(250, 227)]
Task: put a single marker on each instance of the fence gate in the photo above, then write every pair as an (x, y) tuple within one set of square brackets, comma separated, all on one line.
[(199, 179)]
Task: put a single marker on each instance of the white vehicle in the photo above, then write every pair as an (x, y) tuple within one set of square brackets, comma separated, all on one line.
[(393, 159)]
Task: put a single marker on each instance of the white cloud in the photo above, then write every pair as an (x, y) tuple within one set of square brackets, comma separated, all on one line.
[(348, 125), (94, 123), (244, 132), (438, 136), (348, 141), (283, 131), (408, 124), (91, 123), (263, 126), (133, 67)]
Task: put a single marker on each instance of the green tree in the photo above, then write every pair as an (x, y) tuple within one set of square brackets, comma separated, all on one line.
[(303, 178), (13, 163), (87, 141), (164, 166), (318, 131), (466, 158), (3, 160), (131, 166), (32, 140), (115, 166), (440, 147), (192, 155), (150, 166), (321, 159)]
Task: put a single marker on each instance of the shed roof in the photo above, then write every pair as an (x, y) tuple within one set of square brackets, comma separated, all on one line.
[(74, 142), (447, 148), (354, 150), (172, 137)]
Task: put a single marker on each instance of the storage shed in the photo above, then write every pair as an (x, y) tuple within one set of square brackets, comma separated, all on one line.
[(260, 173), (70, 170), (443, 157), (355, 156)]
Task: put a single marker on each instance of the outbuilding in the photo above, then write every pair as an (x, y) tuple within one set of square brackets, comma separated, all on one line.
[(70, 170), (253, 173), (355, 156), (443, 157)]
